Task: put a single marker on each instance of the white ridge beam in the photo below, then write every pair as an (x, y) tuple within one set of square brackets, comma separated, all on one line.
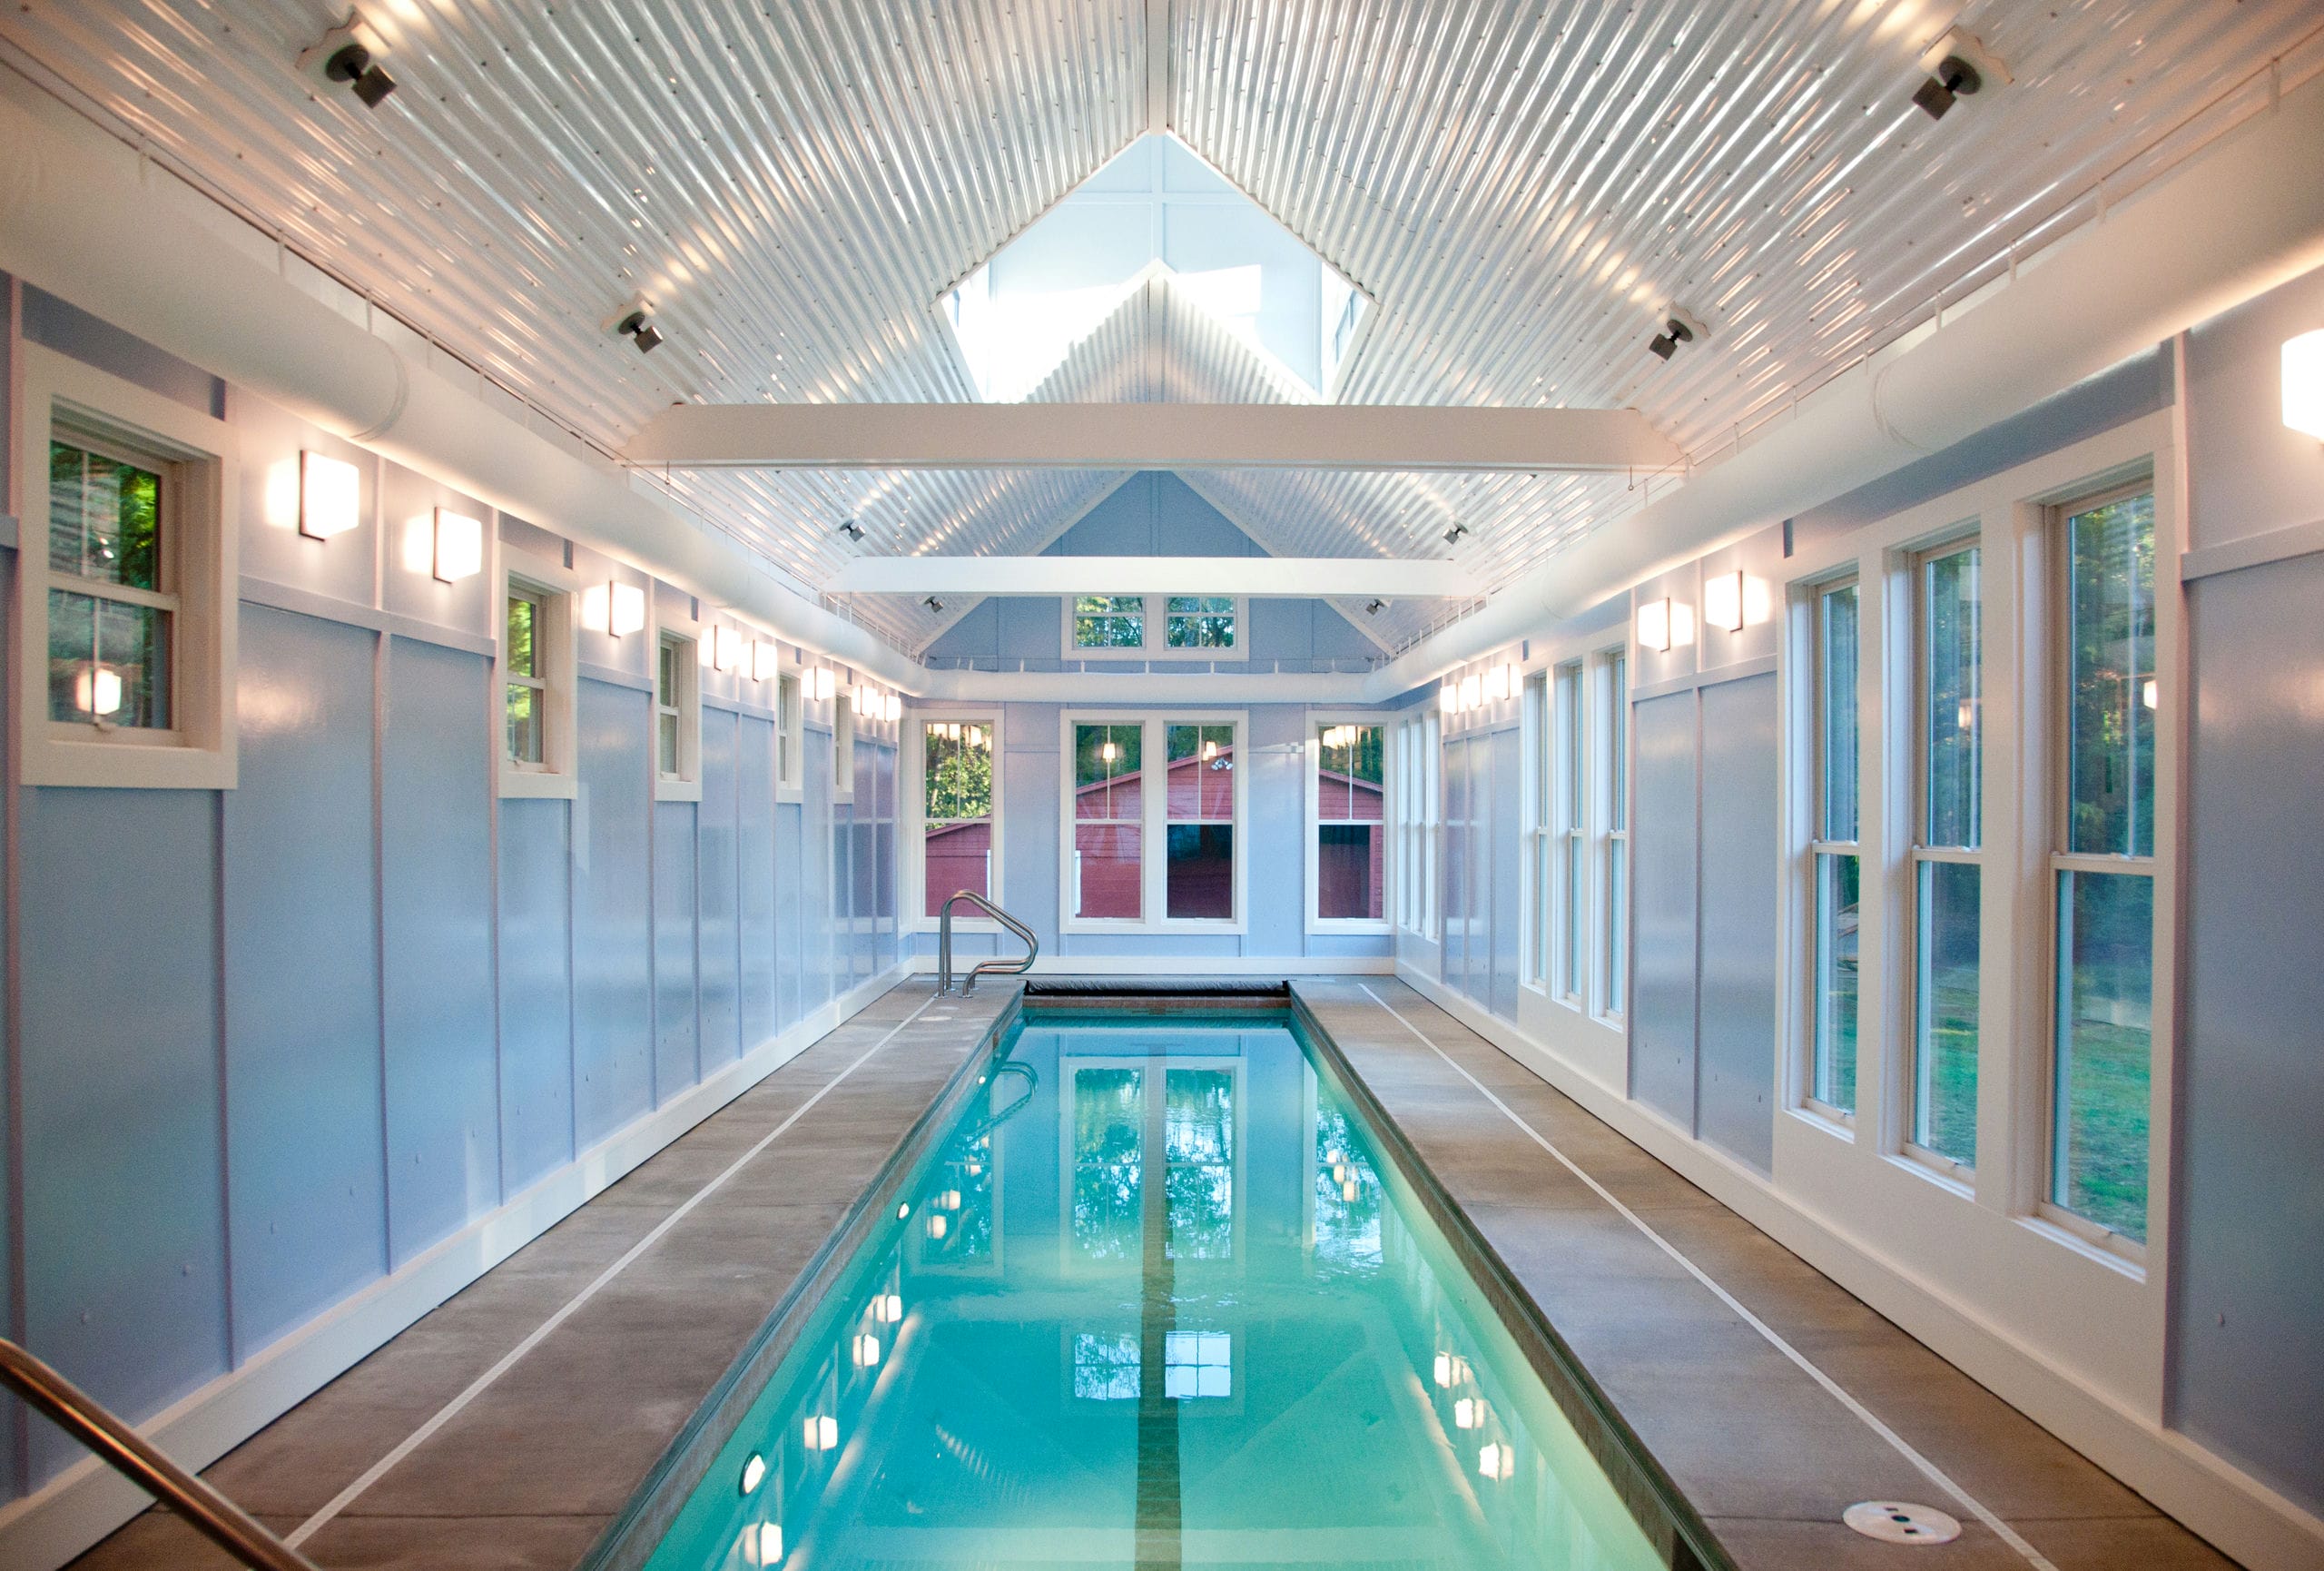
[(1292, 576), (1147, 436)]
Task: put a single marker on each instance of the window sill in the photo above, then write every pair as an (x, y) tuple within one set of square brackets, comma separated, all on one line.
[(790, 795), (538, 783), (1347, 927), (1942, 1172), (1183, 926), (2110, 1249), (52, 760), (677, 790), (1815, 1114)]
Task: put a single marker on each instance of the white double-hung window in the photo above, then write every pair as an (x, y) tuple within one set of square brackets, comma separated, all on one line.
[(1154, 813), (2102, 863), (1947, 852), (1347, 817), (125, 624), (1612, 809), (1836, 863), (536, 679)]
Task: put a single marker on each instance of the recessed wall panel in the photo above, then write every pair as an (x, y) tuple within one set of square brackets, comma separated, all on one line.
[(1740, 856), (1663, 893)]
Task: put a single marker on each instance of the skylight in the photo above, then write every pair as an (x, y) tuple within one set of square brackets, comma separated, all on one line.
[(1156, 208)]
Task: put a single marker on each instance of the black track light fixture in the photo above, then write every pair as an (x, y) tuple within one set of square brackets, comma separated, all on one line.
[(1958, 67), (1453, 536), (635, 321), (853, 530), (933, 604), (1678, 327), (1375, 608), (349, 57)]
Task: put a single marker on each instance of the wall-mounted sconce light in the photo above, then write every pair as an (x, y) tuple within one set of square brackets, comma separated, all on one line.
[(727, 649), (859, 698), (1473, 691), (2150, 694), (459, 546), (614, 608), (1448, 699), (766, 658), (331, 496), (895, 706), (1501, 681), (826, 682), (1654, 623), (2304, 383), (1723, 600), (1108, 752)]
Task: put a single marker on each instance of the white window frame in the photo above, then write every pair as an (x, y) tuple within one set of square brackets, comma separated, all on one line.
[(790, 731), (912, 775), (1154, 821), (1809, 598), (559, 590), (843, 728), (1154, 628), (2051, 671), (64, 399), (1914, 560), (685, 786), (1432, 826), (1311, 768), (1606, 744)]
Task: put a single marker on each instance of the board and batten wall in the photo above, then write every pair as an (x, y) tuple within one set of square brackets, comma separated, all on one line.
[(2213, 1402), (291, 1062)]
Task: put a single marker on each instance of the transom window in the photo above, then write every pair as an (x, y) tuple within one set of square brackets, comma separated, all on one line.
[(112, 604), (1154, 628)]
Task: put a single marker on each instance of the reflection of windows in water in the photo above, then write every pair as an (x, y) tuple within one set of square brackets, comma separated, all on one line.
[(966, 1200), (1198, 1144), (1108, 1116), (1348, 1198), (1105, 1368), (1197, 1364)]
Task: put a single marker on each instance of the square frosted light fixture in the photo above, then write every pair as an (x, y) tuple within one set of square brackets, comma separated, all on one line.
[(1473, 691), (2304, 383), (1654, 623), (764, 658), (612, 608), (727, 648), (826, 683), (331, 496), (459, 546), (1723, 600), (1448, 698), (1501, 681)]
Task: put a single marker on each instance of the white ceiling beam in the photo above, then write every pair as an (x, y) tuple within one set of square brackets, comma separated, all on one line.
[(1147, 436), (1363, 577)]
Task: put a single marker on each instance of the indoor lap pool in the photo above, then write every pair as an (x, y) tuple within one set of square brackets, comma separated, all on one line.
[(1155, 1290)]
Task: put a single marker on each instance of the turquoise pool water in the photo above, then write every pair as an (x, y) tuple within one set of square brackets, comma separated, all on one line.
[(1156, 1298)]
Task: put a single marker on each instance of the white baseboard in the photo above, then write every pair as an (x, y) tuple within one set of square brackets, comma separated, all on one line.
[(1183, 965), (2236, 1512), (89, 1500)]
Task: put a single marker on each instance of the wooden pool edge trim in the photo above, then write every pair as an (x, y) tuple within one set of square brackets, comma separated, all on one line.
[(1680, 1532), (629, 1540)]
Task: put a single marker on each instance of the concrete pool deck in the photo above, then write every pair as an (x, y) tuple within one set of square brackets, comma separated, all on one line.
[(1708, 1338)]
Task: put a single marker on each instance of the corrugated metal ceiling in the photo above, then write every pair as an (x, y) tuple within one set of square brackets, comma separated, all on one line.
[(1519, 186)]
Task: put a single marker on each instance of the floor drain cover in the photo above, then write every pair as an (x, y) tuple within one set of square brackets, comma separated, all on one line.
[(1894, 1522)]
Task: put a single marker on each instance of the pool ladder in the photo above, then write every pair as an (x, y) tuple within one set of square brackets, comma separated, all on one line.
[(205, 1510), (996, 966)]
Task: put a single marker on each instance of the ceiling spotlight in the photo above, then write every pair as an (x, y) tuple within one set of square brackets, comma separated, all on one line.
[(933, 604), (852, 530), (1453, 536), (1375, 608), (635, 321), (1957, 67), (348, 54)]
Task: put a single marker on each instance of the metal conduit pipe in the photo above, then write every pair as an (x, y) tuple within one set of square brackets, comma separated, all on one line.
[(78, 219), (2233, 222)]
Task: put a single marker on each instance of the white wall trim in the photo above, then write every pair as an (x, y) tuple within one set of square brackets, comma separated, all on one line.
[(305, 602), (2279, 545), (88, 1500), (2234, 1510)]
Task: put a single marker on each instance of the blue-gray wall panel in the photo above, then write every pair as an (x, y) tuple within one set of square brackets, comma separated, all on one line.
[(536, 989), (754, 908), (443, 1088), (1741, 854), (1662, 951), (1502, 852), (718, 954), (613, 970), (678, 1051), (124, 1231), (790, 914), (306, 1187), (2248, 1285)]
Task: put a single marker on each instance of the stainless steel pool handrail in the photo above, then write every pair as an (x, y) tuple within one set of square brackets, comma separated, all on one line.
[(205, 1510), (992, 967)]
